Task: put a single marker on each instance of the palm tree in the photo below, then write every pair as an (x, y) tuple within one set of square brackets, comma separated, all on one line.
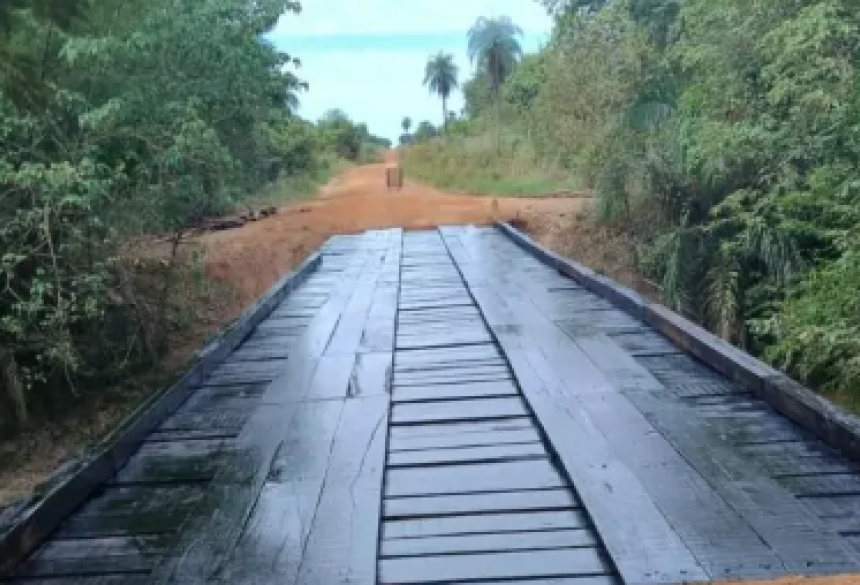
[(440, 76), (406, 124), (493, 45)]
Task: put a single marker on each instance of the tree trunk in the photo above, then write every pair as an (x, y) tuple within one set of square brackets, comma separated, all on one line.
[(10, 378), (498, 121), (445, 114)]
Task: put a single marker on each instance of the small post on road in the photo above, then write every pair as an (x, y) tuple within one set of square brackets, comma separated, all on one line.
[(393, 177)]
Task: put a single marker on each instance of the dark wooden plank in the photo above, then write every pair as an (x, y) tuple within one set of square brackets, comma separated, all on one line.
[(484, 523), (94, 557), (173, 462), (822, 485), (371, 375), (342, 544), (452, 376), (508, 541), (214, 533), (447, 568), (524, 434), (99, 580), (644, 547), (802, 541), (627, 376), (645, 343), (124, 511), (466, 455), (332, 378), (472, 478), (551, 499), (380, 327), (716, 504), (623, 372), (418, 357), (460, 428), (441, 339), (328, 477), (348, 334), (458, 410), (454, 391)]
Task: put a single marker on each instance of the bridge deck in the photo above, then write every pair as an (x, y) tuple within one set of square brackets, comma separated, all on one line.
[(440, 407)]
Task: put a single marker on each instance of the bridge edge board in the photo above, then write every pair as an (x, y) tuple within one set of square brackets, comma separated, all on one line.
[(827, 421), (72, 485)]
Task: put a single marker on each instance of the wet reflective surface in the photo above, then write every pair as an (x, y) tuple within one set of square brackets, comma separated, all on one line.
[(440, 407)]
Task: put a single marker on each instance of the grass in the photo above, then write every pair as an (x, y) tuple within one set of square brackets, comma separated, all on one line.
[(289, 189), (473, 165)]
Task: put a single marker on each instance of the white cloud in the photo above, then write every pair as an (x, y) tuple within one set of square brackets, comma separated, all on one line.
[(380, 86)]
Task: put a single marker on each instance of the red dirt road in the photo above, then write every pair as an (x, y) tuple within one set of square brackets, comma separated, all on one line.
[(253, 257)]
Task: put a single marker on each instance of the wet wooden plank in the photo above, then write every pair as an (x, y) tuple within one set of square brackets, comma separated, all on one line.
[(332, 378), (465, 429), (126, 511), (213, 533), (802, 542), (465, 375), (174, 462), (342, 544), (645, 343), (442, 339), (371, 375), (426, 506), (644, 547), (94, 557), (472, 478), (458, 410), (419, 357), (379, 330), (822, 485), (627, 376), (97, 580), (520, 564), (426, 393), (484, 523), (485, 453), (523, 434), (349, 332), (508, 541)]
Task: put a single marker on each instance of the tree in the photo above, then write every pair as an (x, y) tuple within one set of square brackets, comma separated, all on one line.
[(406, 124), (120, 120), (495, 49), (342, 134), (425, 132), (440, 76)]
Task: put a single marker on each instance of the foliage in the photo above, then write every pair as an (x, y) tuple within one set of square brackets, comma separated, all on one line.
[(471, 164), (493, 46), (723, 136), (440, 76), (121, 122)]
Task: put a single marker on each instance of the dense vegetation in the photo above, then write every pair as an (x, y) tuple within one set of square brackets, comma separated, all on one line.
[(121, 121), (725, 137)]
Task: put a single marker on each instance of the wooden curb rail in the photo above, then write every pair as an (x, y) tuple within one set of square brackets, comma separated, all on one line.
[(828, 422), (70, 487)]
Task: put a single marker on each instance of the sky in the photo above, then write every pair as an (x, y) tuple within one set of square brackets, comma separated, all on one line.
[(367, 57)]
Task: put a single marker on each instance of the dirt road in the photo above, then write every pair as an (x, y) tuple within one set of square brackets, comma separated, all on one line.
[(254, 257)]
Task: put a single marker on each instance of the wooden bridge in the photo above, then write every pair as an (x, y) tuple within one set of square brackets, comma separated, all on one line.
[(456, 406)]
